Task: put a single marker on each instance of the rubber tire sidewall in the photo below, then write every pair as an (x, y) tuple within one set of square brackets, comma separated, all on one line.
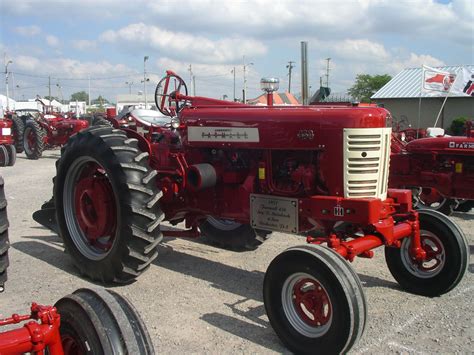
[(456, 258), (336, 336)]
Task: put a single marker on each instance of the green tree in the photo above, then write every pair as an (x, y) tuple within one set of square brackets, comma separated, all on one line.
[(80, 96), (99, 101), (366, 85)]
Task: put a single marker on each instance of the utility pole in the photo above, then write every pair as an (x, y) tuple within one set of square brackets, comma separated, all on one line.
[(89, 98), (49, 89), (129, 83), (244, 92), (290, 66), (233, 71), (194, 85), (191, 79), (327, 71), (145, 79), (6, 76)]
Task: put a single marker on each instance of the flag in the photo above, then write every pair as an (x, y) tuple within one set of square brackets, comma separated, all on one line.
[(435, 81), (464, 84)]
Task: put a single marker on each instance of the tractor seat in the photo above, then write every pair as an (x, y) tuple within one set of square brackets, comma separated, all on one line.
[(150, 117)]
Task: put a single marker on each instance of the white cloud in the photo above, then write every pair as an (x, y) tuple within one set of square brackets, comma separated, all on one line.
[(52, 41), (185, 45), (84, 45), (27, 31)]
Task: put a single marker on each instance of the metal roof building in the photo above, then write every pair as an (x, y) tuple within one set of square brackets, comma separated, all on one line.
[(407, 84), (401, 96)]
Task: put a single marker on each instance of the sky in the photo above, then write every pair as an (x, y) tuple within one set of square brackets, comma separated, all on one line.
[(107, 40)]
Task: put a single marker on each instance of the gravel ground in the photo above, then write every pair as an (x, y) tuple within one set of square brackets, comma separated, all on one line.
[(196, 298)]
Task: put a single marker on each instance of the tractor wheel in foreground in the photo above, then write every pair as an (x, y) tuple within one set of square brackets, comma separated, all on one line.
[(231, 235), (11, 150), (426, 198), (100, 121), (100, 321), (447, 255), (107, 205), (33, 140), (314, 300), (4, 157), (18, 129), (4, 243)]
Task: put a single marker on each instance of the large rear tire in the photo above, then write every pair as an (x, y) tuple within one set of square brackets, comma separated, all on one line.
[(314, 301), (447, 257), (33, 140), (101, 322), (231, 235), (4, 243), (107, 205), (18, 129)]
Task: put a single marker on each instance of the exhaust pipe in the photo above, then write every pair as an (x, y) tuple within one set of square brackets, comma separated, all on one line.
[(201, 176), (304, 73)]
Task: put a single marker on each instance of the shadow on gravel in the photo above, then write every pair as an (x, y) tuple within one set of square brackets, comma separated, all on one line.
[(372, 281), (464, 216), (471, 249)]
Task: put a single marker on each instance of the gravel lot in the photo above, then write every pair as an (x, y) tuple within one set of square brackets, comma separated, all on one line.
[(196, 298)]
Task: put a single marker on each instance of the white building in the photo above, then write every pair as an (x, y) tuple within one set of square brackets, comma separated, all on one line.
[(138, 101)]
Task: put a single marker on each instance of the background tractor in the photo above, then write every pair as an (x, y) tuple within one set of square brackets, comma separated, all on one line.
[(7, 142), (438, 169), (230, 171)]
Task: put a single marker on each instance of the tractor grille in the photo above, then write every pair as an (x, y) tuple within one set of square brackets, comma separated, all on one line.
[(366, 162)]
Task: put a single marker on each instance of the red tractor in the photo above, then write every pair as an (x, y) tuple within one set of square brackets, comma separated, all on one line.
[(231, 172), (7, 143), (439, 170), (88, 321), (44, 130)]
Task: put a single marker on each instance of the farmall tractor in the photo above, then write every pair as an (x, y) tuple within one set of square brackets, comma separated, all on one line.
[(7, 142), (87, 321), (439, 170), (45, 130), (231, 171)]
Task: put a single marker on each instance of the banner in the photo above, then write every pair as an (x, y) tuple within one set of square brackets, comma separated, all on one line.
[(435, 81), (464, 83)]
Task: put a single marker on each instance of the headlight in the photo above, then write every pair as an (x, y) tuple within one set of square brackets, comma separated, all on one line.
[(175, 123)]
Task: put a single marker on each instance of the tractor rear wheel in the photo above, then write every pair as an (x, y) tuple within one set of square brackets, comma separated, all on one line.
[(33, 140), (100, 121), (231, 235), (447, 255), (11, 150), (314, 300), (101, 322), (18, 129), (106, 203), (4, 243)]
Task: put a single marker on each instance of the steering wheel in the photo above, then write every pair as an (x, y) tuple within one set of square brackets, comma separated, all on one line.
[(167, 94)]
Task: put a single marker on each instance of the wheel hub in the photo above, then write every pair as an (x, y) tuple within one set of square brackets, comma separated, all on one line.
[(311, 302), (95, 209)]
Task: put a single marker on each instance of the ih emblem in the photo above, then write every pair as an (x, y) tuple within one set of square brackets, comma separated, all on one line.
[(339, 211), (305, 134)]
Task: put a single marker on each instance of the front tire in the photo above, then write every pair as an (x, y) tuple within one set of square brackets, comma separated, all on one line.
[(447, 257), (101, 322), (4, 243), (33, 140), (107, 205), (314, 301), (11, 154)]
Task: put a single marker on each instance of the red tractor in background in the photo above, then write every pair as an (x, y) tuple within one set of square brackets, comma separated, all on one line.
[(38, 131), (231, 171), (88, 321), (7, 143), (439, 170)]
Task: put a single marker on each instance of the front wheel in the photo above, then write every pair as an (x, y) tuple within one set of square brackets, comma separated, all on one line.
[(447, 254), (314, 301), (101, 322)]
